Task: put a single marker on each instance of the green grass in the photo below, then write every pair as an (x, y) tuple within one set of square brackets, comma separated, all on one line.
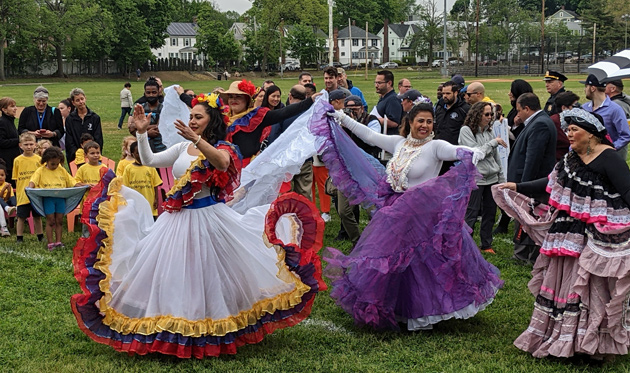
[(39, 333)]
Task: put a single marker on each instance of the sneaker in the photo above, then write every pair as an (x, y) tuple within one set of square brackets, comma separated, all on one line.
[(500, 230), (51, 246), (326, 217), (4, 232), (488, 250), (341, 237), (59, 244), (11, 210)]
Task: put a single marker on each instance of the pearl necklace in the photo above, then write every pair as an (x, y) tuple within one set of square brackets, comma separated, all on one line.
[(398, 166)]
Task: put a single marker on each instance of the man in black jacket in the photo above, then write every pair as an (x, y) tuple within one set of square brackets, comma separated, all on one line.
[(449, 117), (533, 157), (81, 120)]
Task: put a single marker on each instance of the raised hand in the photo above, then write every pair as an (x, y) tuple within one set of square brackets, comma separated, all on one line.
[(140, 119)]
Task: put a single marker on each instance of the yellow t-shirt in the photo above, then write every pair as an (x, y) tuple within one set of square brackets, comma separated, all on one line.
[(89, 174), (51, 179), (122, 164), (7, 193), (79, 156), (23, 169), (142, 179)]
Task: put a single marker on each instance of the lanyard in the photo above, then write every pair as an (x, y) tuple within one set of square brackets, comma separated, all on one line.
[(41, 119)]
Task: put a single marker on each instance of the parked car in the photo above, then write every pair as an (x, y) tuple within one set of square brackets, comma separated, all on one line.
[(388, 65), (437, 63), (334, 64), (488, 63), (292, 66), (455, 61), (354, 65), (586, 57)]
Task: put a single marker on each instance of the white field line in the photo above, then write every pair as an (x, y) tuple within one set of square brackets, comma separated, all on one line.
[(328, 325), (39, 258)]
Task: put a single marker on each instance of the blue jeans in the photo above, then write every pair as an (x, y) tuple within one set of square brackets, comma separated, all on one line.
[(4, 204), (124, 111)]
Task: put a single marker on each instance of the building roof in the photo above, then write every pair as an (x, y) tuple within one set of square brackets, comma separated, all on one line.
[(567, 12), (400, 30), (181, 29), (357, 32)]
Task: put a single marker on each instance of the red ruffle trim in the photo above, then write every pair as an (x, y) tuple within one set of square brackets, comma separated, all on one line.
[(312, 226), (227, 181), (253, 123)]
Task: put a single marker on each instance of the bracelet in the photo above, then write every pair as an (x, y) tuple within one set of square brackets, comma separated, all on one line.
[(197, 142)]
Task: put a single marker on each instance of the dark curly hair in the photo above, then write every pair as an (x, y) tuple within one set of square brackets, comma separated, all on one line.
[(475, 115), (53, 153), (216, 129), (405, 129)]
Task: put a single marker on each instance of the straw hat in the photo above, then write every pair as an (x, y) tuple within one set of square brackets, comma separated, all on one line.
[(243, 87)]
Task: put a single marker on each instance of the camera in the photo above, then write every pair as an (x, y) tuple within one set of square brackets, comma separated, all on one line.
[(348, 111)]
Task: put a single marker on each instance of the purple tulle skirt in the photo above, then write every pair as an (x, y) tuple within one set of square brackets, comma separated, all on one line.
[(416, 261)]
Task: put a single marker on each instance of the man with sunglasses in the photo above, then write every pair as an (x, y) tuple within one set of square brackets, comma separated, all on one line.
[(476, 92)]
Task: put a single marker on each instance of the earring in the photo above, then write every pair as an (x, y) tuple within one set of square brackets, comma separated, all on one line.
[(588, 148)]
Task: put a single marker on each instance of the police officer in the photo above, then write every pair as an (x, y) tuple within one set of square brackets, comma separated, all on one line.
[(554, 82)]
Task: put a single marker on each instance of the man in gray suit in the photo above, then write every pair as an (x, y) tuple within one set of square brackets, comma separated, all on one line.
[(533, 157)]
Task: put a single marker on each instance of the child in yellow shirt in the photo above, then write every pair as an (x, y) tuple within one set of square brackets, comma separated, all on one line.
[(42, 145), (79, 156), (51, 176), (142, 179), (90, 173), (24, 166), (126, 158), (7, 199)]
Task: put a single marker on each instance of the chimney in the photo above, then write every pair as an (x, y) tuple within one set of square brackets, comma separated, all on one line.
[(354, 23), (385, 41), (194, 20), (335, 44)]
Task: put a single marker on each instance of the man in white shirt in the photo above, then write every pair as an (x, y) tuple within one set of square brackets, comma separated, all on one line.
[(126, 104)]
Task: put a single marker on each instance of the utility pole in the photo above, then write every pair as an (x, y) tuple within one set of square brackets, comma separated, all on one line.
[(444, 68), (594, 38), (477, 40), (366, 50), (330, 32), (350, 46), (542, 39), (625, 18)]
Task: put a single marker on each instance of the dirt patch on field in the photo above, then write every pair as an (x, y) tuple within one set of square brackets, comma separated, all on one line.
[(179, 76)]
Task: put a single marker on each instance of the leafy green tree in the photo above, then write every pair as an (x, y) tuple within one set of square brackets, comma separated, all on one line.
[(17, 19), (372, 11), (62, 21), (430, 32), (213, 38), (304, 44)]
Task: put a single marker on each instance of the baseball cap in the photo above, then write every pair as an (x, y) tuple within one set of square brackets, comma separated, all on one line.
[(458, 79), (337, 94), (354, 98), (592, 81), (411, 95)]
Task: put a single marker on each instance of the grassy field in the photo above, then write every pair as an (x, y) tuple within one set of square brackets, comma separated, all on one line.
[(39, 333)]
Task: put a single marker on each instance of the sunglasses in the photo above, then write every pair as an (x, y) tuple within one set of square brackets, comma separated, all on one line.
[(487, 114)]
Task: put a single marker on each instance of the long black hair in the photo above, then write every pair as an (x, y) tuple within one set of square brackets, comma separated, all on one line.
[(216, 129), (265, 102), (405, 129)]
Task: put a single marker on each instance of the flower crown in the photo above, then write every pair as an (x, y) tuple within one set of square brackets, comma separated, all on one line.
[(422, 100), (214, 101), (247, 87)]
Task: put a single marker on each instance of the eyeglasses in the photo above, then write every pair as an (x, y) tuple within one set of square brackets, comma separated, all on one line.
[(379, 83), (487, 114), (470, 93)]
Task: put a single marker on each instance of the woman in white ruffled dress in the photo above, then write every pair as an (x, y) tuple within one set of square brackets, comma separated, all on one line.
[(201, 280)]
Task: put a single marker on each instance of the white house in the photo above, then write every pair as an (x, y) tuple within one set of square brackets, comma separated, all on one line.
[(569, 18), (180, 42), (356, 47), (399, 37)]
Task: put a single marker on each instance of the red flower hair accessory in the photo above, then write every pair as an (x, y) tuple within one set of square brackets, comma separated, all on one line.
[(247, 87)]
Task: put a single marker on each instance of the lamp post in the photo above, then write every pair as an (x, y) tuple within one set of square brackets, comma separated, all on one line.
[(330, 32), (625, 17)]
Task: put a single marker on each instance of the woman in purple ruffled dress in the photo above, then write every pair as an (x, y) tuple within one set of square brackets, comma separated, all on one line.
[(415, 263), (581, 280)]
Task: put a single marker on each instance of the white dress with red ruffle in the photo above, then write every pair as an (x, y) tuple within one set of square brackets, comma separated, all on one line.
[(203, 279)]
